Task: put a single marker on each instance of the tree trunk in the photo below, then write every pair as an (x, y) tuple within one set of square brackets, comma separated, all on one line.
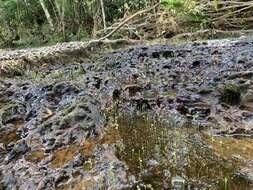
[(103, 12), (63, 19), (60, 6), (48, 16), (96, 11)]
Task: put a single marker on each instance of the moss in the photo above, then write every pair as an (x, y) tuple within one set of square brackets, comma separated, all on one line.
[(231, 94), (10, 112), (7, 108)]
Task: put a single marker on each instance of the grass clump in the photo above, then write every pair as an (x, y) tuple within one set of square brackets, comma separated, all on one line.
[(231, 94)]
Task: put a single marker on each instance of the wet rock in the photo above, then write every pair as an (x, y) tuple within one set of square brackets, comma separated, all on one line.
[(46, 183), (183, 99), (200, 111), (116, 94), (152, 163), (247, 172), (168, 54), (2, 147), (247, 100), (12, 112), (182, 109), (204, 91), (82, 115), (78, 161), (196, 64), (61, 178), (244, 74), (156, 55), (19, 149), (178, 183), (132, 89), (9, 181)]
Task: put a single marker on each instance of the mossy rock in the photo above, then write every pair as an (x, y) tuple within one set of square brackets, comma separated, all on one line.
[(231, 94), (12, 111)]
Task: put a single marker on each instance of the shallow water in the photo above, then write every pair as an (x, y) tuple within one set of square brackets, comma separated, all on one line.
[(160, 156)]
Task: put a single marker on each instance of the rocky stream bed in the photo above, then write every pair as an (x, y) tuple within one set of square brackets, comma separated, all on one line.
[(146, 117)]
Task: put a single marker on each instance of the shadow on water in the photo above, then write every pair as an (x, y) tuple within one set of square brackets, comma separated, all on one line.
[(174, 158)]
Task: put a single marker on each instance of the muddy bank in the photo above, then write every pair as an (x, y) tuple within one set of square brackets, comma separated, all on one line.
[(56, 121)]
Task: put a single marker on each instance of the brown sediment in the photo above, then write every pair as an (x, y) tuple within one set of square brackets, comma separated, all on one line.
[(111, 136), (63, 156), (36, 156), (12, 135), (79, 185)]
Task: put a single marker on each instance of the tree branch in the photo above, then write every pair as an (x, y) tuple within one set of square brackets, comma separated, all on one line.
[(128, 19)]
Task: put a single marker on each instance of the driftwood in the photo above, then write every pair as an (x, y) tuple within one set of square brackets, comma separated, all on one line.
[(225, 18), (225, 14)]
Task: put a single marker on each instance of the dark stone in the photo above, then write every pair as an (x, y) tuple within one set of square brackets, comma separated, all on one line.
[(168, 54), (156, 55), (182, 109), (196, 64), (116, 94)]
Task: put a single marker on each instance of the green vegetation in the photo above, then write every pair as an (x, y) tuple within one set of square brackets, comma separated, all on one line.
[(34, 23), (26, 23), (231, 94), (186, 10), (71, 74)]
